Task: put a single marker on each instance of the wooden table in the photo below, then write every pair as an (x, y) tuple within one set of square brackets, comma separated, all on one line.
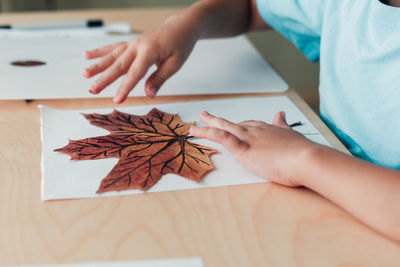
[(247, 225)]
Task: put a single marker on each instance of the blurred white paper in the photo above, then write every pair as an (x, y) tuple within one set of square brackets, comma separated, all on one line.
[(64, 179), (220, 66), (183, 262)]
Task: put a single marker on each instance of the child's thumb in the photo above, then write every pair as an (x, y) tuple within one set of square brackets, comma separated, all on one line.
[(160, 76), (280, 120)]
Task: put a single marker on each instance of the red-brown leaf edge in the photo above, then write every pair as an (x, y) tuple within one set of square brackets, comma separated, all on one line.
[(147, 147)]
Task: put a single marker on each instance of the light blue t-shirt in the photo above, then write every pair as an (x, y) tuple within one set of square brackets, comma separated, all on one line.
[(358, 46)]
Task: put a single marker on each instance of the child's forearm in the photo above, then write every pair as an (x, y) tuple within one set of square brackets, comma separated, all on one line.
[(222, 18), (369, 192)]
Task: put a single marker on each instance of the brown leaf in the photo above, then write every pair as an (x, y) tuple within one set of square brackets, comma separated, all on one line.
[(147, 147)]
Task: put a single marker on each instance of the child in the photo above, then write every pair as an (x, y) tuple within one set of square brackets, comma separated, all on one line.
[(358, 45)]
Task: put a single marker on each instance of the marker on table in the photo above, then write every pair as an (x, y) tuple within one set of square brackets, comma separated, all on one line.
[(55, 25)]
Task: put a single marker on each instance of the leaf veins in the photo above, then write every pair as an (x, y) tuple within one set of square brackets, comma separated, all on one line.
[(147, 147)]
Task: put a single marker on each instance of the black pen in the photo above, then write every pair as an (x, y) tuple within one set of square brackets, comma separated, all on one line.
[(96, 23), (295, 124)]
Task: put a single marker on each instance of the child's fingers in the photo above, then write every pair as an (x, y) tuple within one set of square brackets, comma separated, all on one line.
[(252, 123), (221, 123), (99, 66), (117, 69), (162, 74), (102, 51), (228, 140), (104, 62), (135, 73), (280, 120)]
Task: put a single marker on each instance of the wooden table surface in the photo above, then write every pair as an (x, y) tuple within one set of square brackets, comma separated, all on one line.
[(247, 225)]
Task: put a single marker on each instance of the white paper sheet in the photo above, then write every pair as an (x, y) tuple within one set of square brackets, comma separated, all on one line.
[(65, 179), (215, 67), (184, 262)]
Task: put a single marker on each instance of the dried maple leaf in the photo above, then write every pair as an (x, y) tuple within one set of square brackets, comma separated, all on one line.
[(147, 147)]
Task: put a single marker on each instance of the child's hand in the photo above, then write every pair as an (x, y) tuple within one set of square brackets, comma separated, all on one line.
[(271, 151), (167, 46)]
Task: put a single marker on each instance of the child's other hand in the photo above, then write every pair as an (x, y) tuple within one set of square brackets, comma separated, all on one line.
[(168, 46), (272, 151)]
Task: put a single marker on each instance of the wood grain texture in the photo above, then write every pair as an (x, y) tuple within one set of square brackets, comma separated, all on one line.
[(247, 225), (141, 18)]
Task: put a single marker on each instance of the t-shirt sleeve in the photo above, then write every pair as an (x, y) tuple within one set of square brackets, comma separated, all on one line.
[(300, 21)]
